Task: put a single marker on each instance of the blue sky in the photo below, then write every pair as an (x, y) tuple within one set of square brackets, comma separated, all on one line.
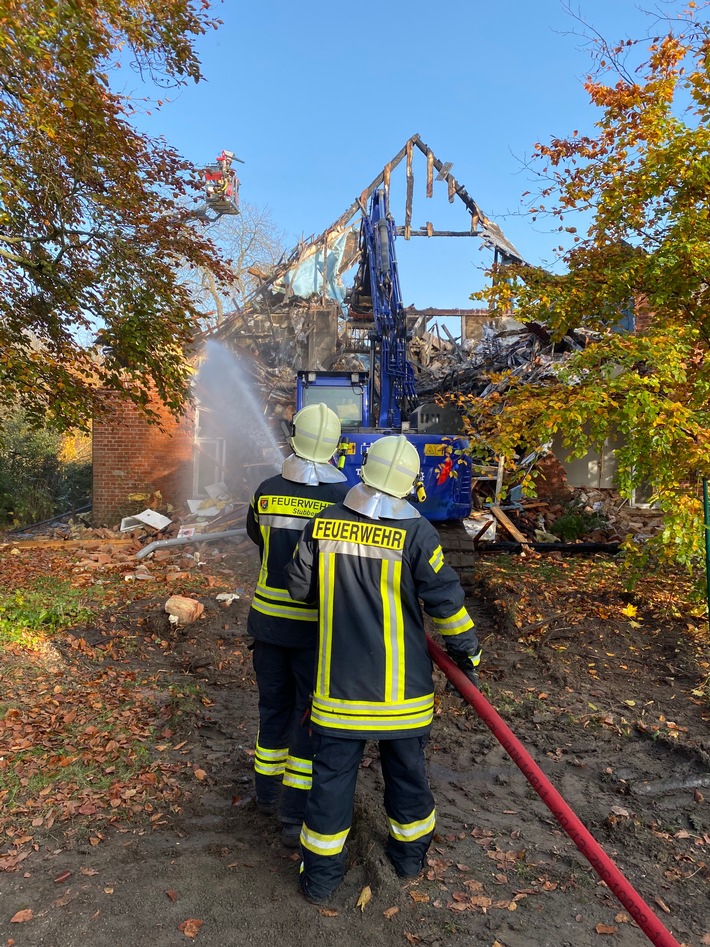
[(317, 97)]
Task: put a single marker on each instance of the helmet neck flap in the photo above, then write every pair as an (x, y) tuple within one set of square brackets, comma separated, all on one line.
[(378, 506), (298, 470)]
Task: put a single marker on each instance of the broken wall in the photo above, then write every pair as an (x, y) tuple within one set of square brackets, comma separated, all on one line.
[(475, 321)]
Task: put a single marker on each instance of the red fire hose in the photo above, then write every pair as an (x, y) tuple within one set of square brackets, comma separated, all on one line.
[(582, 838)]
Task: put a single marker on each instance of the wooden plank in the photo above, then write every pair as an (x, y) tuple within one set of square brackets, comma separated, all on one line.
[(499, 478), (410, 192), (431, 232), (67, 543), (508, 526), (481, 531)]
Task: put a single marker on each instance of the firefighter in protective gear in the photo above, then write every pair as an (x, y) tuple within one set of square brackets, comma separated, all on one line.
[(285, 631), (367, 562)]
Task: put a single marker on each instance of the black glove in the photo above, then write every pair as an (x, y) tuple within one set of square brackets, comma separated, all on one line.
[(472, 675), (469, 665)]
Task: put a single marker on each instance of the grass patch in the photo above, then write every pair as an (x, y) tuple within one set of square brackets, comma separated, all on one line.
[(184, 702), (35, 776), (29, 616)]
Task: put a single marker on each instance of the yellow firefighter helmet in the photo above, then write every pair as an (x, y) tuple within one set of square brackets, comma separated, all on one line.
[(315, 433), (391, 466)]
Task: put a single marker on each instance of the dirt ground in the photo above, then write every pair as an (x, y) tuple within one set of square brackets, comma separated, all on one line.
[(604, 693)]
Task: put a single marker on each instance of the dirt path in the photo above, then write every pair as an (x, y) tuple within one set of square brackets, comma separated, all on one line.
[(606, 710)]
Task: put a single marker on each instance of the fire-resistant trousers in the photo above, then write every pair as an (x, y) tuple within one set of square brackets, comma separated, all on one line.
[(283, 757), (409, 805)]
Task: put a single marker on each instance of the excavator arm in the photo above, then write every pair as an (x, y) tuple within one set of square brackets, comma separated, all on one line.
[(377, 296)]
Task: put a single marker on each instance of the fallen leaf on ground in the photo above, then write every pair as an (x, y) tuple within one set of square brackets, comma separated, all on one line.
[(327, 912), (172, 894), (190, 926), (390, 912), (606, 929), (662, 905), (21, 916), (200, 774), (473, 885), (10, 862), (419, 896), (68, 896), (621, 918), (481, 901), (62, 877), (365, 896)]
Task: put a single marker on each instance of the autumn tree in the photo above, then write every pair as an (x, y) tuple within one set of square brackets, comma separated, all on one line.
[(93, 231), (642, 183)]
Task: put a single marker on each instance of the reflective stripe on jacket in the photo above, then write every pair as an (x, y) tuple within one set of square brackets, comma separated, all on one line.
[(277, 514), (373, 677)]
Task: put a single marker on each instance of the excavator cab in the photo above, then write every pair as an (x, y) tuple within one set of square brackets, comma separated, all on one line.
[(222, 185)]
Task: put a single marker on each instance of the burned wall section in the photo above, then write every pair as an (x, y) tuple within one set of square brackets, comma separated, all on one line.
[(476, 323), (278, 332)]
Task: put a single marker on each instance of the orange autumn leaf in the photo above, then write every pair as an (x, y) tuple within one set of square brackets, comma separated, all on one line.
[(190, 926), (419, 896)]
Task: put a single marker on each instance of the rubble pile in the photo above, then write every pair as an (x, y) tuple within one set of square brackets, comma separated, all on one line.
[(525, 352), (587, 517)]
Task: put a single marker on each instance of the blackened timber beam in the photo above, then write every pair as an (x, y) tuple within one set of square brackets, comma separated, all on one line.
[(492, 234), (347, 215), (430, 232), (410, 191)]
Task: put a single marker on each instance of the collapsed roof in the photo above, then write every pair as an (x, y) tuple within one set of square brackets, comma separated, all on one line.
[(294, 318)]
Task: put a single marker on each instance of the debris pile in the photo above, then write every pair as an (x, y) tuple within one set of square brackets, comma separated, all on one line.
[(589, 518)]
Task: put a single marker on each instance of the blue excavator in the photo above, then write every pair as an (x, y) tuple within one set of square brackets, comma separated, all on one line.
[(383, 399)]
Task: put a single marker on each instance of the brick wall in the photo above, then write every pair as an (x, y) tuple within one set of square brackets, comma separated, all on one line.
[(551, 484), (132, 456), (643, 316)]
